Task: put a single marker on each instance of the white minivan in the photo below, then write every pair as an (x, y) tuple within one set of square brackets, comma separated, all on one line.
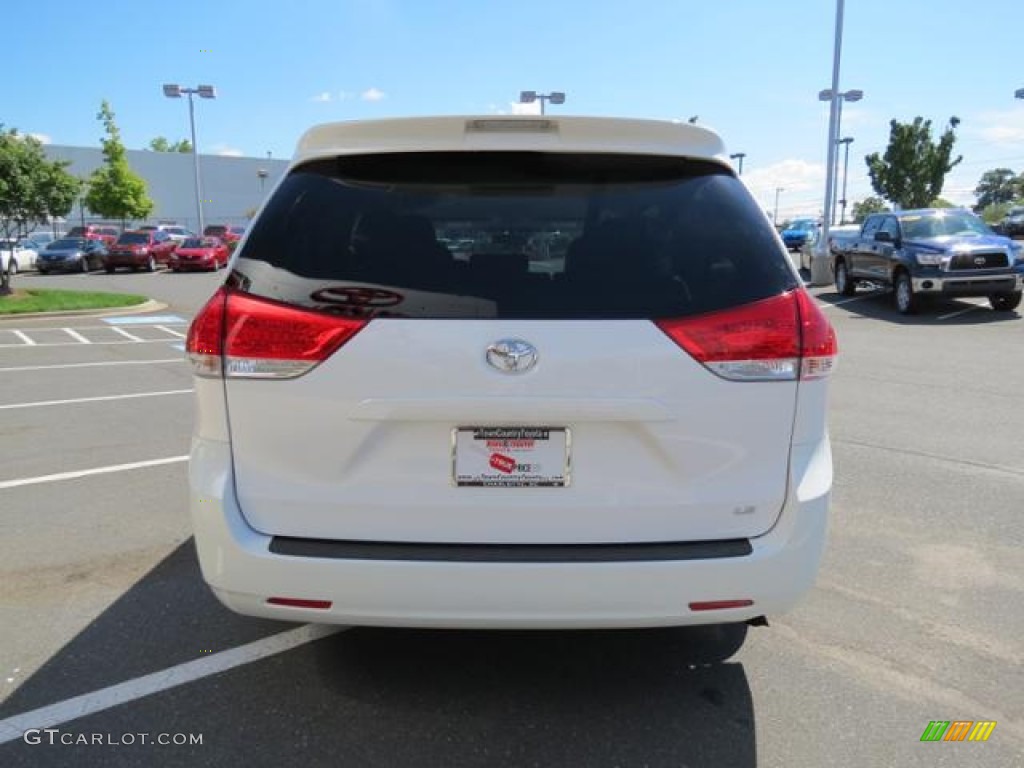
[(628, 430)]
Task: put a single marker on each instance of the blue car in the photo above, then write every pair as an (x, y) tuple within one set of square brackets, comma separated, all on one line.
[(799, 232)]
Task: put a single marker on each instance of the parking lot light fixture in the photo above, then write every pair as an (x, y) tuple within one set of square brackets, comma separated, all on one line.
[(174, 91), (529, 97), (739, 156)]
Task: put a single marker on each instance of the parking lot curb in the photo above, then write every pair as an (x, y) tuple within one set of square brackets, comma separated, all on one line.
[(150, 305)]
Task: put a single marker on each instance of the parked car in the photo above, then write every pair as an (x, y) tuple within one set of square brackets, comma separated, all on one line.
[(799, 232), (1012, 225), (42, 238), (932, 252), (224, 232), (207, 253), (140, 250), (388, 436), (106, 235), (838, 238), (71, 254), (179, 234), (19, 255)]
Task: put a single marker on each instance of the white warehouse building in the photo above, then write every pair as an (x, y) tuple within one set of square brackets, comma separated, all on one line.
[(231, 186)]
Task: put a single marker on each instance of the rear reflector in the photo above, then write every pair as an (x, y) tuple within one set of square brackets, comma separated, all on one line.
[(242, 336), (720, 605), (296, 602), (778, 339)]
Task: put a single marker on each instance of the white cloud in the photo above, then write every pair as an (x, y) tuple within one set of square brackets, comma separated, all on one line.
[(42, 138), (322, 98), (518, 108), (372, 94), (1004, 127), (343, 95), (225, 151), (802, 184)]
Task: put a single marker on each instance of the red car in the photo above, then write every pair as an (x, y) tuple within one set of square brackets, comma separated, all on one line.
[(200, 253), (139, 250), (224, 232), (107, 235)]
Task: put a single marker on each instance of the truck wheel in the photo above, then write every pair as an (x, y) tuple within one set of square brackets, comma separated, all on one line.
[(906, 300), (1005, 302), (844, 285), (151, 265), (109, 270)]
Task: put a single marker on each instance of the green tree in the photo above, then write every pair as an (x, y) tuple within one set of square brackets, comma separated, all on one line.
[(32, 190), (160, 144), (941, 202), (995, 212), (914, 167), (867, 206), (115, 191), (999, 185)]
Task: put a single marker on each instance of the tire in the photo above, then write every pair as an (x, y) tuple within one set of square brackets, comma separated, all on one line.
[(907, 302), (844, 285), (1005, 302), (109, 270), (43, 272), (151, 265), (85, 265)]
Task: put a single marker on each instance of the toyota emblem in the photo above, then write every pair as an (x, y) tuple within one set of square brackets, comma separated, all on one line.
[(512, 355)]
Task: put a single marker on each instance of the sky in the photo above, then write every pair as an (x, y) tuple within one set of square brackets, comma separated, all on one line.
[(749, 69)]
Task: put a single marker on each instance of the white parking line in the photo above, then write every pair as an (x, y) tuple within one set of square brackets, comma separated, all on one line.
[(76, 335), (87, 704), (961, 311), (78, 343), (23, 337), (828, 304), (91, 365), (130, 336), (40, 479), (42, 403), (168, 330)]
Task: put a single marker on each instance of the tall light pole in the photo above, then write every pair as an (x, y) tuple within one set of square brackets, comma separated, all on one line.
[(826, 95), (739, 156), (847, 141), (528, 97), (174, 91), (819, 258), (775, 216)]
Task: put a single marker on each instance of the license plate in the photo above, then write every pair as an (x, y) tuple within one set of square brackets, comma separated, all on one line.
[(511, 457)]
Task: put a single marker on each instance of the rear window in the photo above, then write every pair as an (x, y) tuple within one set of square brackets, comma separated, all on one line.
[(215, 230), (133, 238), (512, 234), (77, 231)]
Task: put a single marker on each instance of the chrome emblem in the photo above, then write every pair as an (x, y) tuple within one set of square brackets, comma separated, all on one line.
[(512, 355), (979, 260)]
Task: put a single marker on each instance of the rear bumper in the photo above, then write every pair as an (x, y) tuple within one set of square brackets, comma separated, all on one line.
[(238, 564)]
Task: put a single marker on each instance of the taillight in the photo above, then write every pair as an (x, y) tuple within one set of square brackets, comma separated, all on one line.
[(778, 339), (241, 336)]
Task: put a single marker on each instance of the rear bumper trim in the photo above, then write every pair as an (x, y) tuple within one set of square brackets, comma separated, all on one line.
[(509, 553)]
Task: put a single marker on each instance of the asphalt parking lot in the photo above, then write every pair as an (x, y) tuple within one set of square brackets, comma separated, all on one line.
[(106, 628)]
